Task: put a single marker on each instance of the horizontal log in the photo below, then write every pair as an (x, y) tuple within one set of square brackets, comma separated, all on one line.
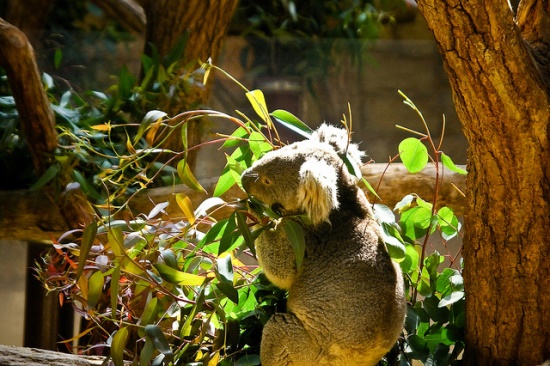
[(21, 356), (32, 216)]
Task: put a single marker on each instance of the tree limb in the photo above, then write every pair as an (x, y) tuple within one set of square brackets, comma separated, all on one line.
[(36, 116), (128, 12)]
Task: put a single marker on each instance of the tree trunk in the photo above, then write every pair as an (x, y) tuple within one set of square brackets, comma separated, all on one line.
[(502, 104), (206, 22)]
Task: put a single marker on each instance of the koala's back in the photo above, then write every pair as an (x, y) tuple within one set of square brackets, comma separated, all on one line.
[(349, 293)]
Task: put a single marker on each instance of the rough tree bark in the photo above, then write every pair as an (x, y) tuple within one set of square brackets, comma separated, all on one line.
[(206, 22), (502, 103)]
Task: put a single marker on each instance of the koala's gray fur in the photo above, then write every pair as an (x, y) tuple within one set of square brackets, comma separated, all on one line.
[(346, 302)]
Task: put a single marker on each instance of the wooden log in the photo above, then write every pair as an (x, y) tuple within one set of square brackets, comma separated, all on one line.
[(21, 356), (32, 216)]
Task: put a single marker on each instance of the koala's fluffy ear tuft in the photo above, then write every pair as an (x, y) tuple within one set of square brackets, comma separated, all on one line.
[(318, 193), (338, 138)]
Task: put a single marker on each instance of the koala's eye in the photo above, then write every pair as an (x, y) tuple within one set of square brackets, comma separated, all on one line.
[(266, 181)]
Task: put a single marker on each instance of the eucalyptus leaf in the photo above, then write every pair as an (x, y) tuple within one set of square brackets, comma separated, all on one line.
[(295, 235), (413, 154)]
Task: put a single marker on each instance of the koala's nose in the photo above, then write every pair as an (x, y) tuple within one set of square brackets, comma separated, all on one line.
[(248, 178)]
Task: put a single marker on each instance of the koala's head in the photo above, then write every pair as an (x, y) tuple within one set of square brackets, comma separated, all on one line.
[(302, 177)]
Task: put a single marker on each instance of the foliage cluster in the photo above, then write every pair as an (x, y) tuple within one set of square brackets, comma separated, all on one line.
[(186, 290), (298, 38)]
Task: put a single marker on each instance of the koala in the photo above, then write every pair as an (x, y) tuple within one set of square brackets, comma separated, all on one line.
[(346, 303)]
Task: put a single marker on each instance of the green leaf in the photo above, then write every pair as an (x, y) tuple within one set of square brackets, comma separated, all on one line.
[(394, 242), (126, 82), (154, 332), (118, 344), (178, 277), (295, 234), (187, 177), (169, 258), (413, 154), (436, 313), (229, 290), (292, 122), (238, 135), (370, 188), (449, 164), (95, 288), (88, 238), (412, 259), (258, 144), (257, 100), (149, 314), (57, 58), (226, 181), (244, 230), (48, 175), (415, 222)]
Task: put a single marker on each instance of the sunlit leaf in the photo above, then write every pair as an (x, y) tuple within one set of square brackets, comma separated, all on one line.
[(370, 188), (415, 222), (102, 127), (88, 238), (207, 205), (295, 235), (413, 154), (184, 203), (258, 144), (257, 100), (95, 288), (151, 117), (226, 181), (174, 276), (449, 164), (225, 269), (394, 242), (187, 177), (292, 122), (159, 207), (120, 339), (411, 260)]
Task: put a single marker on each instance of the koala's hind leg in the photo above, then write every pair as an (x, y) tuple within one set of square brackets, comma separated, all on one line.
[(285, 342)]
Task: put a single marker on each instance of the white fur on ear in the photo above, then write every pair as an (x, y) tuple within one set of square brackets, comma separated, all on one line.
[(318, 192)]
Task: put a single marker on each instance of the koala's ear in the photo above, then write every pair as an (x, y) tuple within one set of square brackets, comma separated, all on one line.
[(318, 190)]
